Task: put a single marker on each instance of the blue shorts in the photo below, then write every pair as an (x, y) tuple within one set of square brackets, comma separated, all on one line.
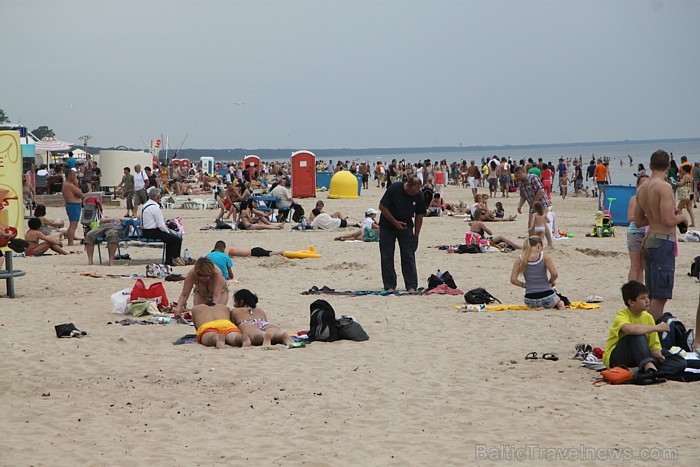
[(549, 301), (73, 210), (658, 251)]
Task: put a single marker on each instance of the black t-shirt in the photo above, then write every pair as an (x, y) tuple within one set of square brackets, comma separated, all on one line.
[(401, 205), (152, 181)]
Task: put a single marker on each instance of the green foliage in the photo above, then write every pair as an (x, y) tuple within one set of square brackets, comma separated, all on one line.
[(4, 118), (43, 132)]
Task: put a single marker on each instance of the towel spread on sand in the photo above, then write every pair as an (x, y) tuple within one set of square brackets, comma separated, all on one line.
[(578, 305), (358, 293)]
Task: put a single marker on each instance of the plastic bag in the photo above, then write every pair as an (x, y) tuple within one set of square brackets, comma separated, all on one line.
[(120, 300)]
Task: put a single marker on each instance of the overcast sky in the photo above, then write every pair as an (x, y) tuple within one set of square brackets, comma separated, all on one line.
[(355, 74)]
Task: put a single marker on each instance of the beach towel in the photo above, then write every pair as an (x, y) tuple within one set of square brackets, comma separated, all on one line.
[(444, 289), (578, 305), (358, 293)]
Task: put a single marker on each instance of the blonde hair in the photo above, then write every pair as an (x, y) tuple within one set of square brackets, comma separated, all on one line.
[(529, 243), (204, 266)]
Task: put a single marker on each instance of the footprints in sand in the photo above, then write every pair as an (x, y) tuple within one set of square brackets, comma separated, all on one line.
[(598, 253)]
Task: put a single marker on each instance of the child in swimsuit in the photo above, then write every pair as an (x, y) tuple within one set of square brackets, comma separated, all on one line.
[(538, 224), (253, 322)]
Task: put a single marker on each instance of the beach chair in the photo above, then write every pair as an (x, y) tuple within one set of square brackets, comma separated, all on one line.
[(131, 232)]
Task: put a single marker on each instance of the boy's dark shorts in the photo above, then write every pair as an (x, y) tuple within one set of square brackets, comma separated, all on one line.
[(257, 251), (658, 251)]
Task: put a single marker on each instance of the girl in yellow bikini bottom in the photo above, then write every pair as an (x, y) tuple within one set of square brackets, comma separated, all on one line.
[(219, 326)]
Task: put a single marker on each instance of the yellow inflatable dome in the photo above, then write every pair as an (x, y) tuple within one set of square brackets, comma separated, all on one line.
[(343, 186)]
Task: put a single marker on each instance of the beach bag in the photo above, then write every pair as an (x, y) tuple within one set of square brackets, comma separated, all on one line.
[(120, 300), (349, 329), (155, 292), (370, 235), (222, 225), (617, 375), (479, 296), (298, 213), (677, 335), (158, 270), (695, 268), (323, 326), (92, 212), (468, 249), (142, 307)]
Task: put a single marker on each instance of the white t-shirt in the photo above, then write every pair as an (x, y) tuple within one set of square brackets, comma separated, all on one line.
[(368, 223), (325, 222), (140, 180)]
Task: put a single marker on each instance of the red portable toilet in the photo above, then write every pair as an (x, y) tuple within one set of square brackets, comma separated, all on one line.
[(303, 174), (252, 163)]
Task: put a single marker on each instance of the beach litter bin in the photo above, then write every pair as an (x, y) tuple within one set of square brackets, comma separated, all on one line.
[(343, 186), (323, 180)]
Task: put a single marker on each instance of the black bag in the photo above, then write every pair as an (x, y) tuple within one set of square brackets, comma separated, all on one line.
[(677, 335), (323, 326), (434, 281), (222, 225), (298, 213), (468, 249), (695, 268), (479, 296), (350, 329), (447, 279)]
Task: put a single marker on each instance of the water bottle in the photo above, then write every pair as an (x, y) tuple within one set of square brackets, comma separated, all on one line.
[(479, 307), (439, 274), (187, 254), (303, 224)]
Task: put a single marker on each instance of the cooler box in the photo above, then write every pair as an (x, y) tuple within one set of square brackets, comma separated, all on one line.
[(622, 195)]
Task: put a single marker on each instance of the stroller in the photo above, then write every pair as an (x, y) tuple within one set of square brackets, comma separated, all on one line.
[(92, 213)]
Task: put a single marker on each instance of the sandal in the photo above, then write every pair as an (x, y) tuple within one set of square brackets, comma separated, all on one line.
[(550, 356), (531, 356)]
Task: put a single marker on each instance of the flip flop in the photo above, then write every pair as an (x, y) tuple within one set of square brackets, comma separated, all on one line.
[(531, 356), (550, 356)]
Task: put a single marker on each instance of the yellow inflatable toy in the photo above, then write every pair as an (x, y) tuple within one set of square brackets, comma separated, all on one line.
[(343, 186), (301, 254)]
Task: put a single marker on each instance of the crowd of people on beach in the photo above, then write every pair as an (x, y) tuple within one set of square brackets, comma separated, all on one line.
[(413, 191)]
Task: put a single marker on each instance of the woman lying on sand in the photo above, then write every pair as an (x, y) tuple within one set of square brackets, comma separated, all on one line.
[(252, 321), (478, 226), (368, 225), (253, 219)]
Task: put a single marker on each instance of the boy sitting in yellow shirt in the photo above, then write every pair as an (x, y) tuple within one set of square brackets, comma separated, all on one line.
[(634, 340)]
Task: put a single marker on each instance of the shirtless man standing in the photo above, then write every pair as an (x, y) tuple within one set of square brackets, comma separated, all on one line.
[(656, 208), (73, 196), (215, 329)]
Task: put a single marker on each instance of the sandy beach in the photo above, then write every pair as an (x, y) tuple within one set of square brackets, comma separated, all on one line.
[(432, 386)]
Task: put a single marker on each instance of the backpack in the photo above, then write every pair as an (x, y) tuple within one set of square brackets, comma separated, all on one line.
[(447, 279), (479, 296), (323, 326), (677, 335), (695, 268)]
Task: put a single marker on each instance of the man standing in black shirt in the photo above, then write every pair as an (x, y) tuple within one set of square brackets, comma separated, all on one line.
[(400, 203)]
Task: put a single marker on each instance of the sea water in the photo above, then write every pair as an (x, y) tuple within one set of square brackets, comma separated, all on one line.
[(620, 174)]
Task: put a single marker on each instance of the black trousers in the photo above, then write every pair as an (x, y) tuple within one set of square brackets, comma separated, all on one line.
[(408, 243), (634, 351), (173, 243)]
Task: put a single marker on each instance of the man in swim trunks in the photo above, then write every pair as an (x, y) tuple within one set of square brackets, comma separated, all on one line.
[(656, 208), (73, 196), (215, 329)]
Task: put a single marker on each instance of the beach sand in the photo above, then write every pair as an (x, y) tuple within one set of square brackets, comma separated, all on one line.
[(432, 386)]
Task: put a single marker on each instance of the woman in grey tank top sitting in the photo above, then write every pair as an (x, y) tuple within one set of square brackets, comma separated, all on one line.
[(533, 265)]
